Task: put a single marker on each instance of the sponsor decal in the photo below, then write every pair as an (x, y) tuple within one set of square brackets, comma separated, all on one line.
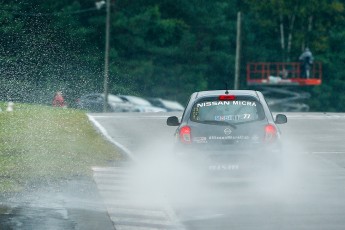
[(232, 117), (223, 167), (217, 103), (228, 137), (227, 131), (200, 140)]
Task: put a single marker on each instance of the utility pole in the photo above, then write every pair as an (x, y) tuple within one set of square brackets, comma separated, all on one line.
[(106, 56), (238, 52)]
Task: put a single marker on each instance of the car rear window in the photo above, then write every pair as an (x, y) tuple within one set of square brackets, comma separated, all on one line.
[(236, 111)]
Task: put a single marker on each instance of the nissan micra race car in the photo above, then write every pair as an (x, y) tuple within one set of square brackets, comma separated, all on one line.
[(229, 131)]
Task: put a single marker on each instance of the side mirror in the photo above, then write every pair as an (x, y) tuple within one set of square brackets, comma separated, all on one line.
[(173, 121), (281, 119)]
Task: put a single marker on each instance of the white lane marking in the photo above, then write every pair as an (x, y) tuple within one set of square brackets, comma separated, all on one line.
[(316, 116), (108, 137), (128, 213), (290, 116), (110, 170), (108, 191), (204, 217), (137, 221), (135, 118), (135, 212), (126, 227), (320, 116), (328, 152)]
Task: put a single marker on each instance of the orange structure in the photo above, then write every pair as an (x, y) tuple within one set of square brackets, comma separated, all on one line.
[(282, 73)]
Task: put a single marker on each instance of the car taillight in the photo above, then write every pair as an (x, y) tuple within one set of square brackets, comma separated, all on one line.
[(185, 135), (227, 97), (270, 133)]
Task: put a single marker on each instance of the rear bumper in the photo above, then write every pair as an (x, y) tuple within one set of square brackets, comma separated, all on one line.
[(228, 150), (234, 162)]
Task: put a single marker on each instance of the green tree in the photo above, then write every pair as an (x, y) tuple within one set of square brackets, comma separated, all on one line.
[(277, 30)]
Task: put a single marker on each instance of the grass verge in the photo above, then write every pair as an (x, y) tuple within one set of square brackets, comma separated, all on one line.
[(41, 143)]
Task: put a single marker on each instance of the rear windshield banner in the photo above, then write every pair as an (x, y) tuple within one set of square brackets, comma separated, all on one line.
[(219, 103)]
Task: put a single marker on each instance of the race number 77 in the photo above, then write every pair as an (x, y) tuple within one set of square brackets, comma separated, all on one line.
[(246, 116)]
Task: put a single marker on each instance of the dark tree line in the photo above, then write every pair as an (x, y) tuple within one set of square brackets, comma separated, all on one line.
[(162, 48)]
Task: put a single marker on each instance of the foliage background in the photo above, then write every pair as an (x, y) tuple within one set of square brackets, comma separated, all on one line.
[(162, 48)]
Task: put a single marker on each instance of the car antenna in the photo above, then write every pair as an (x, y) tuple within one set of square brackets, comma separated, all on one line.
[(226, 88)]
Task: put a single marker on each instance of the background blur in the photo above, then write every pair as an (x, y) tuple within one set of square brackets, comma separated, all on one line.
[(163, 48)]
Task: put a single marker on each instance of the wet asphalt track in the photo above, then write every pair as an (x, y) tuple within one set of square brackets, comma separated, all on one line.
[(311, 195)]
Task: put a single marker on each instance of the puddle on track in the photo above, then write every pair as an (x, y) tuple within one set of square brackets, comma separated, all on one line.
[(73, 204)]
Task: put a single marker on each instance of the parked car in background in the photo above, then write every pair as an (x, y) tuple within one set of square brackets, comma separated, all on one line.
[(166, 104), (94, 103), (141, 104)]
